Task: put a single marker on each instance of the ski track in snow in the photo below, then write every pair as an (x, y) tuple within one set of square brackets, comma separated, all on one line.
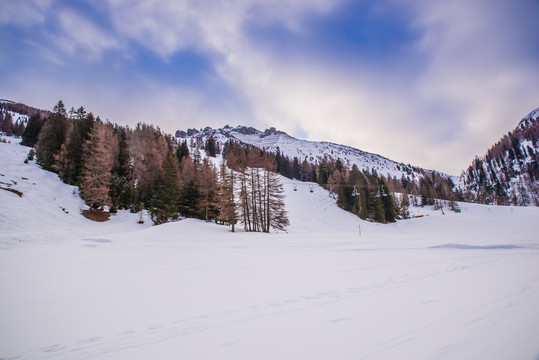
[(96, 347), (454, 286)]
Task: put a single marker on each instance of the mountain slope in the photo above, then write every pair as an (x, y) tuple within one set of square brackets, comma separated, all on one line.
[(18, 115), (462, 286), (48, 210), (313, 152), (509, 171)]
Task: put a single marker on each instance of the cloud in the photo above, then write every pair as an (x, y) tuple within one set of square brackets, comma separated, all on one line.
[(460, 77), (24, 12), (81, 38), (168, 26), (477, 77)]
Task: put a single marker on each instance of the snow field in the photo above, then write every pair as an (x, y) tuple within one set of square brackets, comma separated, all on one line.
[(454, 286)]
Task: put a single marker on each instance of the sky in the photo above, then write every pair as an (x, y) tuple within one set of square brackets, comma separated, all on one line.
[(430, 83)]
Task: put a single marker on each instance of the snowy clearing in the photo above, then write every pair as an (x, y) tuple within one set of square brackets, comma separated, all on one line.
[(454, 286)]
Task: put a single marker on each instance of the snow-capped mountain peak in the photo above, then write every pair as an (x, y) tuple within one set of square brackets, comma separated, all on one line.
[(273, 140)]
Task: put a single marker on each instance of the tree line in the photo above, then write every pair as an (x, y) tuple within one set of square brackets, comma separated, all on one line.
[(509, 172), (117, 167), (143, 168)]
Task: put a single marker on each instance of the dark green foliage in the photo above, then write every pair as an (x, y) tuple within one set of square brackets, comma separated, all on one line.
[(183, 151), (165, 199), (296, 174), (123, 168), (366, 195), (6, 124), (51, 138), (189, 204), (211, 148), (388, 204), (122, 194), (69, 162), (30, 134), (18, 128), (323, 173), (283, 163)]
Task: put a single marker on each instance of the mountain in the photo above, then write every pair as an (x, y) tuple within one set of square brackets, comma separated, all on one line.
[(313, 152), (15, 116), (509, 171), (19, 111), (73, 288), (507, 174)]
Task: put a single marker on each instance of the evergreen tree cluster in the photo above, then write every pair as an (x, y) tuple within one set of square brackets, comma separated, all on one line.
[(118, 167), (509, 172), (10, 127), (16, 127)]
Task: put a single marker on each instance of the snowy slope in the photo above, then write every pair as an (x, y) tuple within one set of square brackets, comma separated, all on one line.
[(509, 171), (453, 286), (312, 151), (48, 210)]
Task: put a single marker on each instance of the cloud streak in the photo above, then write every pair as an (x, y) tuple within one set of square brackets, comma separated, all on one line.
[(422, 82)]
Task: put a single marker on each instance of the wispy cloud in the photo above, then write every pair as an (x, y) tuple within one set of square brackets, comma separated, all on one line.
[(24, 12), (81, 38), (431, 83)]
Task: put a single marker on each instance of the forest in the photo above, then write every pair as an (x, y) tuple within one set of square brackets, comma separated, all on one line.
[(117, 167)]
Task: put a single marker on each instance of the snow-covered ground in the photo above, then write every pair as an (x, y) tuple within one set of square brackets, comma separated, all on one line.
[(453, 286)]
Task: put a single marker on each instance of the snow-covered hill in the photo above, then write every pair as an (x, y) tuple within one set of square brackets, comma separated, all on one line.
[(20, 113), (454, 286), (314, 152), (48, 211), (509, 172)]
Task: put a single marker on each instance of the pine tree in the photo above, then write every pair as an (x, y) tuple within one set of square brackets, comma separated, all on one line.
[(211, 148), (51, 137), (69, 159), (32, 130), (189, 200), (388, 203), (121, 187), (18, 128), (165, 200), (183, 151), (296, 174), (6, 125)]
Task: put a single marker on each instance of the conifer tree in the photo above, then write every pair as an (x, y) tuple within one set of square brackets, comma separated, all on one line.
[(147, 150), (100, 156), (276, 215), (190, 200), (69, 159), (18, 128), (208, 189), (51, 137), (211, 148), (6, 125), (296, 169), (226, 197), (165, 200), (183, 151), (32, 130)]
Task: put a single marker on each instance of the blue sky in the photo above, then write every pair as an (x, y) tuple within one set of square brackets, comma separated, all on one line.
[(432, 83)]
